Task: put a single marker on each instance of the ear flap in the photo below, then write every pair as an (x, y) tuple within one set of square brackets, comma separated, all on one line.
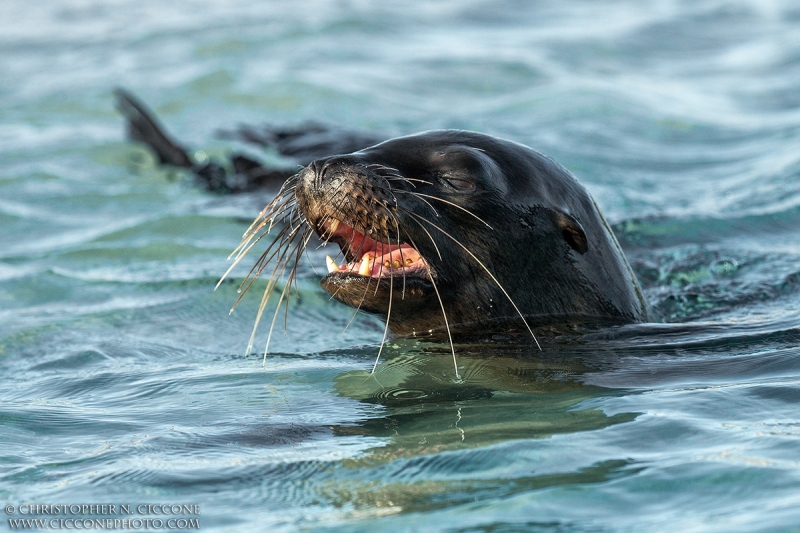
[(573, 233)]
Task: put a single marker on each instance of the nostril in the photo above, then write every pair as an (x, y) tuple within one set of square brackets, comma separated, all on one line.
[(327, 169), (332, 169), (319, 166)]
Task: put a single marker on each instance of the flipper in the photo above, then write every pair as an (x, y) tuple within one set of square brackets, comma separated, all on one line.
[(306, 142), (142, 126), (247, 174), (242, 174)]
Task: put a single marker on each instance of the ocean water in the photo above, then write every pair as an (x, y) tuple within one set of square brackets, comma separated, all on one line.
[(125, 380)]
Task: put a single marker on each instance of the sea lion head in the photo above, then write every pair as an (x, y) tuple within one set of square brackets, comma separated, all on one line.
[(452, 227)]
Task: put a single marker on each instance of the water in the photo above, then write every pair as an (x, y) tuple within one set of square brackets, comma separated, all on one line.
[(124, 379)]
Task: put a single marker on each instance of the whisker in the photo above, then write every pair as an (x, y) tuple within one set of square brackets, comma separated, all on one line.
[(281, 265), (358, 308), (284, 237), (444, 313), (272, 207), (264, 300), (426, 231), (416, 195), (386, 327), (467, 211), (241, 256), (499, 285), (329, 217), (402, 259), (263, 261), (298, 250), (446, 323), (295, 232), (304, 239), (245, 246), (397, 177), (273, 281)]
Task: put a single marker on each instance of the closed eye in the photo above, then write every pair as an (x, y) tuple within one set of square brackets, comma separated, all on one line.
[(461, 185)]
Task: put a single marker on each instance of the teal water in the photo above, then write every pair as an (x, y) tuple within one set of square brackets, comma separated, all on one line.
[(125, 379)]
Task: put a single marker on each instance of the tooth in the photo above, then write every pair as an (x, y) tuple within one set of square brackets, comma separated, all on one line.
[(334, 225), (396, 264), (408, 260), (332, 266), (364, 269), (387, 264)]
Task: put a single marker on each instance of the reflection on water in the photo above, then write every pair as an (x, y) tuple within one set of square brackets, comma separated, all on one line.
[(442, 441), (497, 398)]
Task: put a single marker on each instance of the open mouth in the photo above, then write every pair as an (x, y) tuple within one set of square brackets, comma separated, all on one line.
[(368, 257)]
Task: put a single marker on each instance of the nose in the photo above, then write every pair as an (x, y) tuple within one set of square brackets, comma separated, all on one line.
[(322, 167), (319, 168)]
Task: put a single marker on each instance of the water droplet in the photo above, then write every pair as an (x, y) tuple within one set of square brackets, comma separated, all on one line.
[(723, 267)]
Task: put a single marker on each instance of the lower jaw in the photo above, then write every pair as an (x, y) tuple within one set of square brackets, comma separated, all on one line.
[(374, 294), (395, 277)]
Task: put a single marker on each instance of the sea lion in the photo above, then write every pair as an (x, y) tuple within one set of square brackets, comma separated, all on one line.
[(241, 174), (450, 228), (452, 231)]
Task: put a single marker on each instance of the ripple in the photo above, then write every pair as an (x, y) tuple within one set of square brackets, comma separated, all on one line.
[(124, 376)]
